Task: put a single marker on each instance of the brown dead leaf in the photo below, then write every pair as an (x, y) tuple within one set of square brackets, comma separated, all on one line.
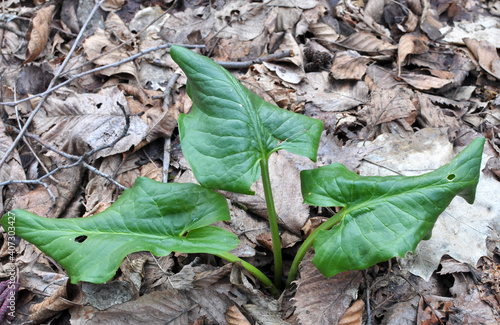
[(79, 122), (112, 5), (240, 18), (321, 300), (325, 34), (10, 42), (354, 314), (99, 43), (270, 87), (117, 29), (38, 32), (424, 82), (289, 69), (386, 106), (368, 43), (61, 300), (486, 54), (235, 317), (382, 78), (414, 43), (431, 115), (333, 96), (349, 65), (430, 23)]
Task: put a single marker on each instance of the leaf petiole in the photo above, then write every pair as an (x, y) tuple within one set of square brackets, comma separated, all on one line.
[(309, 242), (273, 221), (253, 270)]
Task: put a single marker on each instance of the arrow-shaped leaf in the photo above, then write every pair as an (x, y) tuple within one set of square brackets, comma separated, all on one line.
[(384, 217), (151, 216), (230, 129)]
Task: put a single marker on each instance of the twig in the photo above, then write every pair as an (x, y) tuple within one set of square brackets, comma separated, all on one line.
[(12, 30), (167, 146), (246, 64), (52, 82), (28, 143)]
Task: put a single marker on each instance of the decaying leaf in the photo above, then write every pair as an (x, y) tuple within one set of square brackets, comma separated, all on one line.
[(354, 314), (333, 96), (349, 65), (112, 5), (486, 54), (61, 300), (368, 43), (430, 24), (410, 44), (98, 44), (431, 115), (321, 300), (78, 123), (325, 33), (386, 106), (38, 32), (424, 82), (240, 18), (235, 317)]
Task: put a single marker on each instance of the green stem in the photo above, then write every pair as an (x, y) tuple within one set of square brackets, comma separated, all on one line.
[(273, 222), (308, 243), (253, 270)]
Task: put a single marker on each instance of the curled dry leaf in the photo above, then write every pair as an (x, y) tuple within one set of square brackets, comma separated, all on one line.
[(325, 34), (112, 5), (354, 314), (349, 65), (99, 43), (425, 82), (486, 54), (432, 116), (235, 317), (431, 25), (38, 32), (413, 43), (368, 43), (61, 300)]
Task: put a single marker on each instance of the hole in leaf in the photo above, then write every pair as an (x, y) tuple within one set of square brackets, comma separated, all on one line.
[(451, 177), (80, 239)]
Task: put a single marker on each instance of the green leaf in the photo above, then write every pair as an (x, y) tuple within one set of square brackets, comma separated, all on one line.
[(230, 129), (151, 216), (384, 217)]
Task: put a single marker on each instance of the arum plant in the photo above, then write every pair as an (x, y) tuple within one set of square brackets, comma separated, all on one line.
[(227, 138)]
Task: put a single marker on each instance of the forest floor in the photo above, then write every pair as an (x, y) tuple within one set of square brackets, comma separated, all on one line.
[(401, 86)]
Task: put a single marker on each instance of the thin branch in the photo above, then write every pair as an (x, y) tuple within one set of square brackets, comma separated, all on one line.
[(246, 64), (12, 30), (167, 146)]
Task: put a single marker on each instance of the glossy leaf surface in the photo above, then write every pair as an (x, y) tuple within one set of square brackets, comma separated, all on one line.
[(151, 216), (384, 217), (230, 129)]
